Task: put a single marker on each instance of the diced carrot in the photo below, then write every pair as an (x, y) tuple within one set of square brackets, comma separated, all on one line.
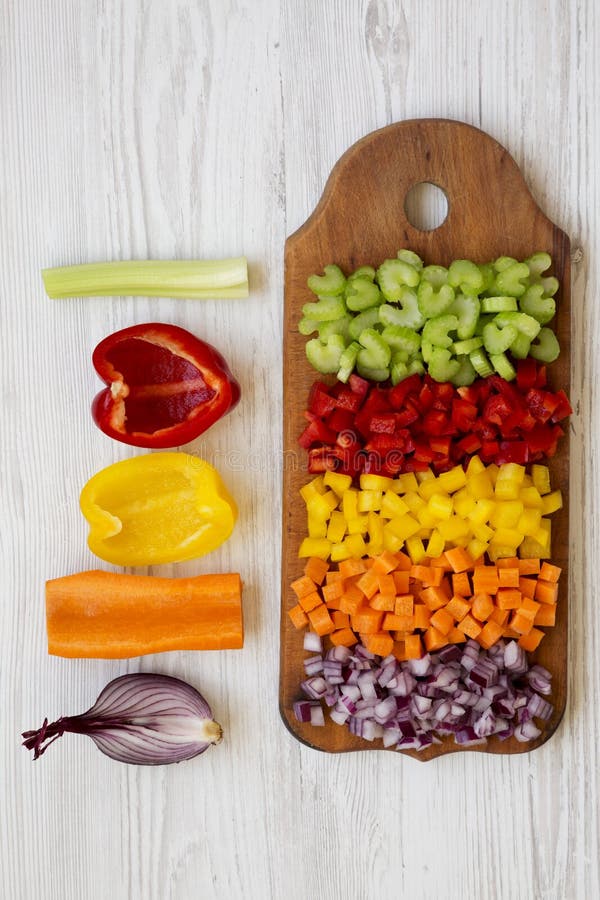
[(529, 608), (413, 648), (368, 583), (367, 621), (508, 598), (316, 569), (351, 602), (385, 562), (499, 616), (530, 641), (310, 601), (546, 615), (368, 562), (546, 592), (419, 573), (482, 607), (508, 562), (345, 637), (304, 586), (455, 636), (401, 635), (469, 626), (485, 580), (402, 581), (404, 605), (331, 577), (527, 587), (489, 635), (320, 620), (398, 623), (441, 562), (551, 573), (461, 585), (434, 597), (510, 633), (520, 623), (508, 577), (529, 567), (458, 608), (381, 643), (350, 567), (442, 620), (383, 602), (434, 577), (404, 562), (422, 616), (446, 588), (386, 584), (459, 559), (340, 619), (399, 651), (298, 617), (332, 591), (434, 639), (334, 604)]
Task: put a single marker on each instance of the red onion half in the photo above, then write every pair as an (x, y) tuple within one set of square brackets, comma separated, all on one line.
[(144, 719)]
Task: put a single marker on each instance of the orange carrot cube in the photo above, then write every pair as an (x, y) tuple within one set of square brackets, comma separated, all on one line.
[(527, 587), (386, 584), (332, 591), (461, 586), (316, 569), (508, 562), (530, 642), (521, 624), (320, 620), (551, 573), (381, 643), (499, 616), (529, 608), (546, 592), (404, 605), (422, 616), (482, 607), (383, 602), (546, 615), (404, 562), (385, 562), (529, 567), (401, 581), (489, 635), (508, 577), (458, 608), (413, 648), (434, 639), (351, 567), (345, 637), (310, 601), (442, 620), (340, 619), (391, 622), (485, 580), (367, 621), (508, 598), (351, 602), (469, 626), (303, 586), (459, 559), (369, 583), (433, 597), (298, 617), (331, 577), (455, 636)]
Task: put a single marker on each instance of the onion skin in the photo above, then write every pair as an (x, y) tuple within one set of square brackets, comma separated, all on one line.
[(140, 719)]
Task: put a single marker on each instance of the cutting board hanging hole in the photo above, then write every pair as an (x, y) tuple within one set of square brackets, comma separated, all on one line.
[(426, 206)]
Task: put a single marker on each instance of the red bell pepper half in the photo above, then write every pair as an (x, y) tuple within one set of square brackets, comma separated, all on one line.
[(164, 386)]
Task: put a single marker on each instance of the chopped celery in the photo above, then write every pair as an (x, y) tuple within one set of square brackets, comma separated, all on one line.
[(367, 272), (550, 285), (546, 349), (427, 349), (525, 324), (466, 374), (325, 309), (487, 274), (498, 304), (372, 374), (415, 365), (536, 305), (460, 348), (348, 361), (481, 323), (407, 317), (480, 362), (497, 340), (504, 262), (307, 326), (398, 369), (362, 294), (393, 275), (502, 366), (337, 326), (195, 279), (538, 263), (367, 319), (434, 303), (510, 279), (400, 338), (411, 258), (325, 358), (436, 276), (466, 307), (520, 346), (464, 274), (376, 353), (330, 284), (436, 330), (442, 367)]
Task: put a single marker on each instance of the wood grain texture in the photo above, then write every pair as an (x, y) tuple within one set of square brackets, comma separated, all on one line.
[(133, 128), (491, 213)]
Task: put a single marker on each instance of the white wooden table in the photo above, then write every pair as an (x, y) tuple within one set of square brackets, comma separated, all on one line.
[(196, 128)]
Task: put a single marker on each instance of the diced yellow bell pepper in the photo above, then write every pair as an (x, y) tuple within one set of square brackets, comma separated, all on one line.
[(453, 529), (529, 522), (474, 467), (492, 471), (337, 527), (425, 475), (463, 503), (340, 552), (428, 488), (482, 532), (391, 541), (369, 482), (509, 481), (440, 505), (482, 512), (416, 550), (426, 518), (392, 505), (356, 545), (552, 502), (480, 486), (404, 484), (413, 501), (319, 547), (350, 504), (313, 487), (541, 478), (530, 497), (506, 514), (317, 528), (508, 537), (357, 525), (477, 548), (453, 480), (337, 482), (369, 501), (318, 507), (375, 529), (436, 545), (403, 526)]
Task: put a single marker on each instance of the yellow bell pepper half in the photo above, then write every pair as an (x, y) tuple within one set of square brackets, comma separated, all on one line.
[(157, 508)]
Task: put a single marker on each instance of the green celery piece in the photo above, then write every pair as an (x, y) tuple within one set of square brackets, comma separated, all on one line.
[(504, 262), (407, 317), (367, 319), (393, 275), (460, 348), (434, 302), (191, 278), (367, 272), (427, 349), (466, 374), (525, 324), (550, 285), (443, 367), (536, 305), (538, 263), (502, 365), (376, 353), (499, 304), (400, 338), (511, 280), (307, 326), (466, 307), (337, 326), (487, 274), (362, 294), (331, 284), (465, 275), (372, 374), (415, 366), (546, 349), (325, 309), (325, 358), (436, 331), (398, 370), (411, 258), (400, 356), (348, 361), (496, 340), (437, 276), (520, 346), (480, 362), (481, 323)]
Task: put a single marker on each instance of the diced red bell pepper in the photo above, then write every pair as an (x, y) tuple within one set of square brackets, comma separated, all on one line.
[(408, 415), (165, 386), (348, 399), (512, 452), (316, 432), (441, 445), (464, 414), (359, 385), (543, 439), (489, 450), (341, 420), (497, 409), (320, 402), (563, 409), (542, 404), (323, 459), (426, 398), (527, 370), (401, 391), (542, 377), (436, 422), (469, 444), (424, 453), (384, 423)]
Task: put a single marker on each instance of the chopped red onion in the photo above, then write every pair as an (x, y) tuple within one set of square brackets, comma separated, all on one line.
[(527, 731), (313, 665), (312, 642)]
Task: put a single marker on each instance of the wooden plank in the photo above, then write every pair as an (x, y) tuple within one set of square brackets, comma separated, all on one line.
[(361, 220)]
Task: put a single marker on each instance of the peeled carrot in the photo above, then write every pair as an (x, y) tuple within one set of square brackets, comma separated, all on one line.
[(104, 615)]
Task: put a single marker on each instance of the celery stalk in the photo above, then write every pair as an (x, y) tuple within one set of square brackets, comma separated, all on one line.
[(192, 278)]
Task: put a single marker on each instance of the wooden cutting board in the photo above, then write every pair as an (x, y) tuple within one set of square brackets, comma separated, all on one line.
[(360, 220)]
